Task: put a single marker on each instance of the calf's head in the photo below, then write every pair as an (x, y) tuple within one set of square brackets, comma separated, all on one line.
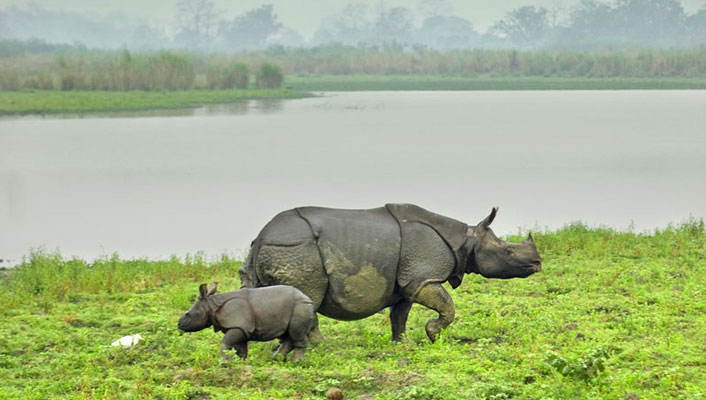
[(495, 258), (198, 317)]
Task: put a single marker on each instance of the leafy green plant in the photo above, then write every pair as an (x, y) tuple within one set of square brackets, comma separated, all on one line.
[(584, 368)]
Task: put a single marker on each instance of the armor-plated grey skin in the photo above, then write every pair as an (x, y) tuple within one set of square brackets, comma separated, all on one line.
[(354, 263), (276, 312)]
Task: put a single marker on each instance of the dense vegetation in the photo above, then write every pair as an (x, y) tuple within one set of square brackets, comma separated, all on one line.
[(123, 70), (341, 60), (612, 315)]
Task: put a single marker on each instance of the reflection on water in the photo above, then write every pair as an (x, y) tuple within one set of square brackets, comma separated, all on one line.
[(262, 106), (155, 184)]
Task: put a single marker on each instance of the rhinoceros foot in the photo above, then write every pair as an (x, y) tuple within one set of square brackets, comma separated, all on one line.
[(433, 327)]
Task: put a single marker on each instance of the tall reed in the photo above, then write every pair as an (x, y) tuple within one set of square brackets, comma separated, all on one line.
[(48, 277), (234, 75)]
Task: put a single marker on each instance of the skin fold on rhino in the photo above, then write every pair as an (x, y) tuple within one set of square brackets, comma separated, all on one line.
[(354, 263)]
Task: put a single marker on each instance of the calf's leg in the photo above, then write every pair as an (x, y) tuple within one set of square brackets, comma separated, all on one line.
[(315, 335), (234, 339), (300, 325)]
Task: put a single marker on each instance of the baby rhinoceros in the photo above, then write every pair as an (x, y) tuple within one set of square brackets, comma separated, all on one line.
[(262, 314)]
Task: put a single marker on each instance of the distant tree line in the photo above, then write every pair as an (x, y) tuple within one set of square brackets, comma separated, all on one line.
[(200, 26), (590, 25)]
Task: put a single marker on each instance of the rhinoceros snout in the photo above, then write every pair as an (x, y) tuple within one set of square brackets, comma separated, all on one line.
[(183, 324)]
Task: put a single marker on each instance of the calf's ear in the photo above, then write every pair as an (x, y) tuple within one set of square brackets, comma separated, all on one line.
[(203, 292), (212, 288)]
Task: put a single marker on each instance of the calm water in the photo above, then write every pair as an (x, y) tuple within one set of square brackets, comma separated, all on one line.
[(152, 185)]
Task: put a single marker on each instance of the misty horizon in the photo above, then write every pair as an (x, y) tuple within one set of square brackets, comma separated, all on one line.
[(440, 24)]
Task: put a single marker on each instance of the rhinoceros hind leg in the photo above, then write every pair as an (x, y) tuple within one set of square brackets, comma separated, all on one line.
[(434, 296), (398, 318), (298, 354), (300, 324)]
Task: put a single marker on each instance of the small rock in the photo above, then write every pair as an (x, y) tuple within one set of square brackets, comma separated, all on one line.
[(334, 393), (402, 362), (631, 396), (570, 327)]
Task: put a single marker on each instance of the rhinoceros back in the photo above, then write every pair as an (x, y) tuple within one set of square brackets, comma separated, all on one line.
[(360, 252)]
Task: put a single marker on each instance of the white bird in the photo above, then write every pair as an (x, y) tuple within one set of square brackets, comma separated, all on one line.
[(127, 341)]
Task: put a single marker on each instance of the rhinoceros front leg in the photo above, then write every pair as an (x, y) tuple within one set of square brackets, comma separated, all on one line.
[(234, 339), (398, 318), (434, 296)]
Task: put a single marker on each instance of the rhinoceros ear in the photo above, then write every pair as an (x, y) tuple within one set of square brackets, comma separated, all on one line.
[(484, 224), (212, 288), (203, 292)]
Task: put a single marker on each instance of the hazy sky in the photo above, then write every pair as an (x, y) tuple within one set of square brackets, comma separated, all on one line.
[(305, 15)]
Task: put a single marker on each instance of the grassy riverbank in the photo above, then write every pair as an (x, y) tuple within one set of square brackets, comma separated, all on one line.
[(54, 101), (612, 315), (439, 82)]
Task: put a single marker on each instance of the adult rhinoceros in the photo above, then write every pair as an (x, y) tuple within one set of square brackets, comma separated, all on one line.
[(354, 263)]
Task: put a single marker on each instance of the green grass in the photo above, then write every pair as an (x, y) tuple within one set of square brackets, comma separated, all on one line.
[(437, 82), (611, 314), (51, 101)]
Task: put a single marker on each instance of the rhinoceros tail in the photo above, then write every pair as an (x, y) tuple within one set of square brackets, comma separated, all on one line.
[(248, 275)]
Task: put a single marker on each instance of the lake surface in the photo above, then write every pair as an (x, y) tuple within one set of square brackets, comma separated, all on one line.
[(156, 184)]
